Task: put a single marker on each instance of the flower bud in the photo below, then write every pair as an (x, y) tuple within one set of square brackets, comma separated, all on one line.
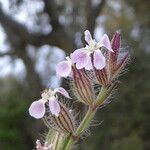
[(113, 56), (115, 66), (121, 65)]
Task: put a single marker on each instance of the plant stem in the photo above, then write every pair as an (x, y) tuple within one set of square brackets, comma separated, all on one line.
[(67, 141), (69, 144), (84, 124), (101, 96), (88, 117), (86, 121)]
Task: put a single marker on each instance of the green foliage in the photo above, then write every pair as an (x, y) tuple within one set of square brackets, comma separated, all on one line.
[(132, 142), (13, 108)]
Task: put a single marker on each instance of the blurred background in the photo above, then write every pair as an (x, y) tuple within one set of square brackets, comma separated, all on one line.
[(36, 34)]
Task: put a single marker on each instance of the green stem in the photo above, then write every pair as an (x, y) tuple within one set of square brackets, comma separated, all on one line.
[(69, 144), (101, 96), (84, 124), (48, 135), (86, 121), (66, 142), (88, 117)]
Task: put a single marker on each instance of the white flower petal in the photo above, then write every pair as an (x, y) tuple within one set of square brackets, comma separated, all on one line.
[(38, 144), (89, 64), (37, 109), (50, 147), (45, 95), (63, 69), (54, 106), (106, 42), (62, 91), (87, 36), (80, 57), (99, 60)]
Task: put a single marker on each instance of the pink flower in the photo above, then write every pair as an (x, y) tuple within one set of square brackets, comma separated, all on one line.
[(46, 146), (82, 57), (64, 68), (37, 108)]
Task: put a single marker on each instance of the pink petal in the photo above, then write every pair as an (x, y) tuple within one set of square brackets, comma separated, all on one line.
[(106, 42), (80, 57), (38, 144), (62, 91), (37, 109), (63, 69), (54, 106), (89, 64), (99, 60), (50, 147), (87, 36)]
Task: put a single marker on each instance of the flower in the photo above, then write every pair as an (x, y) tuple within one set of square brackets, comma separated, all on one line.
[(45, 147), (37, 108), (64, 68), (82, 56)]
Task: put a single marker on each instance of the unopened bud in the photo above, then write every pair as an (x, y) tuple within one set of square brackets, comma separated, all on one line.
[(120, 66), (115, 66)]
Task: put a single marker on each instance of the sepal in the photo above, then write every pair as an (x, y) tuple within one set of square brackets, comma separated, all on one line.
[(82, 86), (64, 123)]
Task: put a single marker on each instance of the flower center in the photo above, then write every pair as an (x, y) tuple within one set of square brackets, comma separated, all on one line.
[(47, 94), (93, 45), (69, 59)]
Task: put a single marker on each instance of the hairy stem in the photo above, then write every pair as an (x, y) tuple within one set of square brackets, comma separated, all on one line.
[(86, 121), (104, 93), (83, 125), (69, 144), (67, 141)]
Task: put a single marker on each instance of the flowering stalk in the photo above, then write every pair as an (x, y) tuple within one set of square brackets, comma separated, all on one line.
[(104, 93), (83, 125), (99, 59)]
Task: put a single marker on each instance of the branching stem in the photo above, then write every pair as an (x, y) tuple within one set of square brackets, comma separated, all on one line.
[(88, 117)]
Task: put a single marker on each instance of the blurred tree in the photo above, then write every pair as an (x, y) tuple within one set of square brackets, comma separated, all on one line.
[(80, 15)]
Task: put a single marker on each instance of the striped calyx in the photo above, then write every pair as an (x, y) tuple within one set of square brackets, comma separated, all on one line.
[(64, 123), (100, 74), (82, 85)]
